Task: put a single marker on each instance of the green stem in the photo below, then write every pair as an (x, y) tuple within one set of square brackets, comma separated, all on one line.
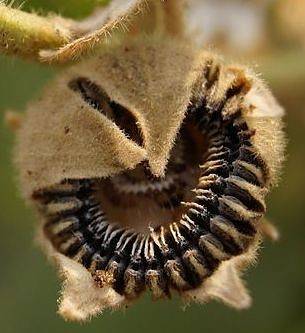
[(24, 34)]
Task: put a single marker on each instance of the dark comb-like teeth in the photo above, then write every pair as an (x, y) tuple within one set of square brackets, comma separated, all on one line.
[(155, 276), (249, 155), (219, 222), (117, 267), (213, 249), (176, 272), (249, 173), (62, 227), (71, 245), (134, 279), (157, 282), (84, 255), (63, 206), (248, 194), (119, 262), (234, 209), (234, 241), (196, 263)]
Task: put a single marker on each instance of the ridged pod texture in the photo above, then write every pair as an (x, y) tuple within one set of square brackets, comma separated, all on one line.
[(149, 165)]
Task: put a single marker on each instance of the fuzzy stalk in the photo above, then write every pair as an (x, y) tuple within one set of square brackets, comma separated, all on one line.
[(24, 34)]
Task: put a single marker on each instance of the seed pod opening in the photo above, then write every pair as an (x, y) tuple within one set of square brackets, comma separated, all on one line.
[(148, 167)]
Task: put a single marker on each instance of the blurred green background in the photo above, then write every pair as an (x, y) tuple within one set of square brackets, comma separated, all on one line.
[(29, 286)]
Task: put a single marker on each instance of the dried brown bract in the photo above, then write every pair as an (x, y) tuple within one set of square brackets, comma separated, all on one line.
[(149, 164)]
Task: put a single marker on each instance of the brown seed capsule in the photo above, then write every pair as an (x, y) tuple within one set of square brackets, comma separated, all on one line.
[(160, 181)]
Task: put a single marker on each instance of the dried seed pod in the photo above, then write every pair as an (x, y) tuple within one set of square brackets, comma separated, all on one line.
[(149, 165)]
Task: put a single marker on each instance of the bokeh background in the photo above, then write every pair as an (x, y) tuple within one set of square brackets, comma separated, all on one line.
[(28, 284)]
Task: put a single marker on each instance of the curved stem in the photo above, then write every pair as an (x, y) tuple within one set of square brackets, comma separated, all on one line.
[(24, 34)]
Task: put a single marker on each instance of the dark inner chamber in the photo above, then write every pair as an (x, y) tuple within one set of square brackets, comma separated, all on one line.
[(181, 254)]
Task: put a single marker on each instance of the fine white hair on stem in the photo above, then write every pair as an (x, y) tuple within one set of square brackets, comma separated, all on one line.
[(59, 40), (119, 16)]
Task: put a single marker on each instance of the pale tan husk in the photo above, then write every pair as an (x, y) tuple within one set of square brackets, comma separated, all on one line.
[(156, 77)]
